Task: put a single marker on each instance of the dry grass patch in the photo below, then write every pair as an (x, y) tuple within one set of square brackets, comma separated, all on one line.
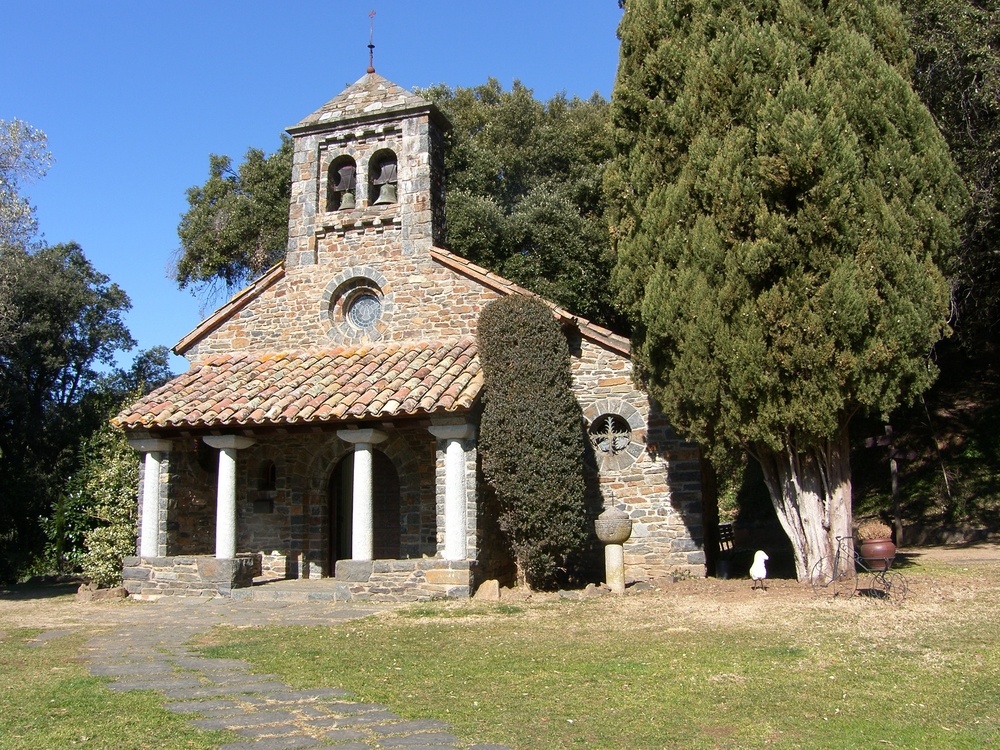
[(702, 664)]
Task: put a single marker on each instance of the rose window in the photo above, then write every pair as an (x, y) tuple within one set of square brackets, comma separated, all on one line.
[(364, 309), (610, 433)]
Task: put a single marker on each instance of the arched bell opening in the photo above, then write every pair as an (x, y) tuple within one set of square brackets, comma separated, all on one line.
[(341, 184), (382, 178)]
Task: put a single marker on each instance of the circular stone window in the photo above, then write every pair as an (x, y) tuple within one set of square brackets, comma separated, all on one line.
[(357, 306), (363, 308), (610, 434)]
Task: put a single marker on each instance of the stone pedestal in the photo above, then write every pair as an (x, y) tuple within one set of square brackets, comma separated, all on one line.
[(613, 528)]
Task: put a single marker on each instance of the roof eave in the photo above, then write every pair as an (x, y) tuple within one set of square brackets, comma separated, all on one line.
[(591, 331), (236, 303)]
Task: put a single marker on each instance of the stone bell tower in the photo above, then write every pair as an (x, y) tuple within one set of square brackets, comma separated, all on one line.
[(368, 177)]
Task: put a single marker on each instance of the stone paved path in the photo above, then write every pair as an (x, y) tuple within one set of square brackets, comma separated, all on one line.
[(148, 651)]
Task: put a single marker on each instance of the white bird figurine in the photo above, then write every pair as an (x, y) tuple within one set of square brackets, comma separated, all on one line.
[(758, 571)]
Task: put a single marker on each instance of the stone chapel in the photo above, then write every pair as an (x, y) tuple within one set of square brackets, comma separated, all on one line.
[(327, 425)]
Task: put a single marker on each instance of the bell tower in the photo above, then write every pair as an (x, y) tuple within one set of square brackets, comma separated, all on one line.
[(368, 171)]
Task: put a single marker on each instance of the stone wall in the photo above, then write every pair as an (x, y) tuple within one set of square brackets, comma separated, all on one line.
[(403, 580), (149, 578), (655, 478)]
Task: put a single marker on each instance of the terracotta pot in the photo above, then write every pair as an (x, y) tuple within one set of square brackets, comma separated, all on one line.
[(877, 554)]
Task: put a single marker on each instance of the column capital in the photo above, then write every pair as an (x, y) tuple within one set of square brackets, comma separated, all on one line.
[(237, 442), (362, 436), (452, 431), (150, 445)]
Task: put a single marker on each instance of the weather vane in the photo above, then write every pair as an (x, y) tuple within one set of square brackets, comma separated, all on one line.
[(371, 43)]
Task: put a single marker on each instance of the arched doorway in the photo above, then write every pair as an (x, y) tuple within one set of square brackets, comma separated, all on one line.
[(385, 509)]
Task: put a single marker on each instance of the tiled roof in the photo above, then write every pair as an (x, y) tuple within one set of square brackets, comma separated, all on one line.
[(303, 387)]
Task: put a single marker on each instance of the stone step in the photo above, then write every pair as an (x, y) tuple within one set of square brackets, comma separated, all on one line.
[(293, 590)]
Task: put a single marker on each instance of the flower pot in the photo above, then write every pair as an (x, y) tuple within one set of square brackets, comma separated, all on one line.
[(877, 554)]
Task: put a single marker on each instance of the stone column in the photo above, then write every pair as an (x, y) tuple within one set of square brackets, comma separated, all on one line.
[(362, 533), (150, 525), (455, 491), (225, 511)]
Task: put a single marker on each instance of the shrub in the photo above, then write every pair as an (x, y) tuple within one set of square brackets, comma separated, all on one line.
[(94, 523), (532, 439)]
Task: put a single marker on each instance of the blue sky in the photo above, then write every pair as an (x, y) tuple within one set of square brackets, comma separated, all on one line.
[(134, 96)]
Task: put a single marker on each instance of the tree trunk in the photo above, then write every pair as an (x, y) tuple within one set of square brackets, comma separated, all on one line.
[(811, 492)]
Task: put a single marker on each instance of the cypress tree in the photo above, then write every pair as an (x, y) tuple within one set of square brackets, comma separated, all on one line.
[(782, 203), (531, 439)]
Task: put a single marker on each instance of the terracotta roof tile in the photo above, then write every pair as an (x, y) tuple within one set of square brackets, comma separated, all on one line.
[(296, 388)]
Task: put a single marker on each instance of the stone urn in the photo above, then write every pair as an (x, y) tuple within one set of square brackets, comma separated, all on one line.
[(613, 528)]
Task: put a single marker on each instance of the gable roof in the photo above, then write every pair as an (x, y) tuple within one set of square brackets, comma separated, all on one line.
[(370, 97), (499, 284), (236, 303), (296, 388), (598, 334)]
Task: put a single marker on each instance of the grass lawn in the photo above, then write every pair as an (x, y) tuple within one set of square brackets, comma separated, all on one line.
[(703, 665), (48, 701)]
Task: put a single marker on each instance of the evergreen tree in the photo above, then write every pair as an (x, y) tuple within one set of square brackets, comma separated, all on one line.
[(531, 439), (958, 78), (65, 321), (783, 202)]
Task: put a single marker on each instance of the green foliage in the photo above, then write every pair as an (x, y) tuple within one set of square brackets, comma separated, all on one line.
[(524, 191), (64, 318), (24, 156), (236, 225), (958, 78), (94, 519), (524, 199), (93, 526), (108, 479), (782, 204), (531, 438)]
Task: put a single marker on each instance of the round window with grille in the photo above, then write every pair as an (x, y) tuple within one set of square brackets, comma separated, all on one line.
[(610, 434), (364, 309)]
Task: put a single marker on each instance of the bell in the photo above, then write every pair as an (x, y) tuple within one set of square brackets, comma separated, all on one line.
[(347, 201), (386, 174), (345, 179), (386, 194)]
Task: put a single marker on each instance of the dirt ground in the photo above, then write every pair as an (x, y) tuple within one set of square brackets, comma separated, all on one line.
[(938, 578)]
